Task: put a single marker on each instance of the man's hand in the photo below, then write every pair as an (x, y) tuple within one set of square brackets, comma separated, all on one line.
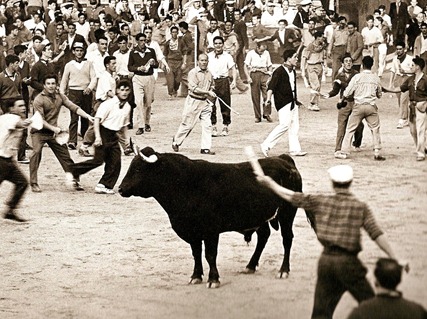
[(183, 66), (27, 122), (57, 130), (98, 142), (325, 95), (167, 68), (87, 91), (233, 84), (212, 94), (90, 118)]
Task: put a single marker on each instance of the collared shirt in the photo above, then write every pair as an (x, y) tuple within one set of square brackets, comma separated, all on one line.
[(402, 67), (112, 116), (139, 58), (371, 36), (106, 83), (355, 47), (220, 65), (210, 36), (339, 37), (423, 44), (97, 60), (78, 76), (256, 61), (156, 47), (365, 86), (10, 136), (49, 106), (417, 90), (339, 218), (341, 82), (197, 78), (122, 60)]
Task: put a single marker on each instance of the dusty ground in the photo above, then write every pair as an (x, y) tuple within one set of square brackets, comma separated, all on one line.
[(92, 256)]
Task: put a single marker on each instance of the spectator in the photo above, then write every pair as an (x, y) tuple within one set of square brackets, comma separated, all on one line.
[(388, 302)]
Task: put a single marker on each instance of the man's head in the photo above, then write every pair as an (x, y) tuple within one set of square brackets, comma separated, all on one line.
[(82, 18), (341, 176), (351, 27), (113, 32), (110, 63), (388, 273), (342, 21), (347, 61), (400, 48), (14, 30), (59, 29), (421, 17), (370, 21), (12, 62), (419, 64), (228, 26), (203, 61), (290, 57), (213, 24), (123, 42), (78, 50), (218, 43), (367, 62), (71, 28), (49, 83), (102, 42), (174, 32), (124, 29), (37, 42), (283, 23), (141, 39), (256, 19), (270, 7), (423, 28), (123, 90), (19, 22), (19, 51), (237, 15), (16, 107), (46, 51), (148, 31), (183, 26), (311, 24), (261, 47)]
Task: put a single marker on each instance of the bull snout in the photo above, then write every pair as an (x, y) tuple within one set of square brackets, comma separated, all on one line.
[(122, 193)]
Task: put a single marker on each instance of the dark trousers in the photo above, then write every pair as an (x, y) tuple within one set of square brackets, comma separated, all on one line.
[(343, 115), (258, 89), (336, 274), (174, 77), (9, 171), (222, 90), (60, 151), (240, 61), (108, 153), (337, 53), (85, 103)]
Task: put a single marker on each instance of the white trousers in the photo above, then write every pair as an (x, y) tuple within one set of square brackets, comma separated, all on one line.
[(288, 120)]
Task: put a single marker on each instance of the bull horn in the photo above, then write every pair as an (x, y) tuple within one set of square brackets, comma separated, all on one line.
[(150, 159), (135, 149)]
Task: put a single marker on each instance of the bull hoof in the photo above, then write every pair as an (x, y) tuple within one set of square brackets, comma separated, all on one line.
[(248, 271), (195, 281), (215, 284), (282, 275)]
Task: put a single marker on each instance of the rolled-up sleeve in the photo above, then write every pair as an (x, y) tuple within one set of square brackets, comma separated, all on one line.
[(370, 224)]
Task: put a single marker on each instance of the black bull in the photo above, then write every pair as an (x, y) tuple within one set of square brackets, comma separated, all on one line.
[(205, 199)]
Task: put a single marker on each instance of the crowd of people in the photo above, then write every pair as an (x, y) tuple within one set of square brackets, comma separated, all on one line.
[(102, 63)]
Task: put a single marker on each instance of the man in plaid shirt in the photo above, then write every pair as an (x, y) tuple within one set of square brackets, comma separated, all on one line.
[(338, 220)]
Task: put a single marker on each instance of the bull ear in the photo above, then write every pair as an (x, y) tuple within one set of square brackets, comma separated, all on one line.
[(150, 159)]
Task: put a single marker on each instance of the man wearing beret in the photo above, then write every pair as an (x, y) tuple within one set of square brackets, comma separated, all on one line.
[(338, 220)]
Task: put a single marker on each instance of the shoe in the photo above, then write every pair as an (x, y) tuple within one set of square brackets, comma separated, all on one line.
[(244, 91), (314, 107), (24, 160), (14, 217), (341, 155), (264, 150), (128, 151), (214, 131), (224, 131), (402, 124), (379, 158), (421, 158), (257, 120), (140, 131), (35, 188), (72, 146), (147, 128), (300, 153), (73, 182), (101, 189), (268, 118), (175, 146), (357, 149), (207, 152), (84, 151)]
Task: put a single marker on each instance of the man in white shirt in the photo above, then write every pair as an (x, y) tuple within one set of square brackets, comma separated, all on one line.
[(83, 27), (97, 56), (372, 38), (401, 69), (268, 17), (258, 68), (220, 64)]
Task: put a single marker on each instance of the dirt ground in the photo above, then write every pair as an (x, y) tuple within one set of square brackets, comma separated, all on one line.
[(84, 255)]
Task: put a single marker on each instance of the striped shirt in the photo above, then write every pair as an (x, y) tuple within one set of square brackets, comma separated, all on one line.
[(339, 218), (366, 87)]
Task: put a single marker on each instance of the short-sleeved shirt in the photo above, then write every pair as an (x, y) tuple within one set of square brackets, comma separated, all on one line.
[(220, 64), (197, 78), (256, 60), (9, 135), (112, 116), (339, 218)]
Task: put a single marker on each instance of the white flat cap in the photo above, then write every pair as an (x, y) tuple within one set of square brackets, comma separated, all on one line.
[(305, 2), (341, 174)]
